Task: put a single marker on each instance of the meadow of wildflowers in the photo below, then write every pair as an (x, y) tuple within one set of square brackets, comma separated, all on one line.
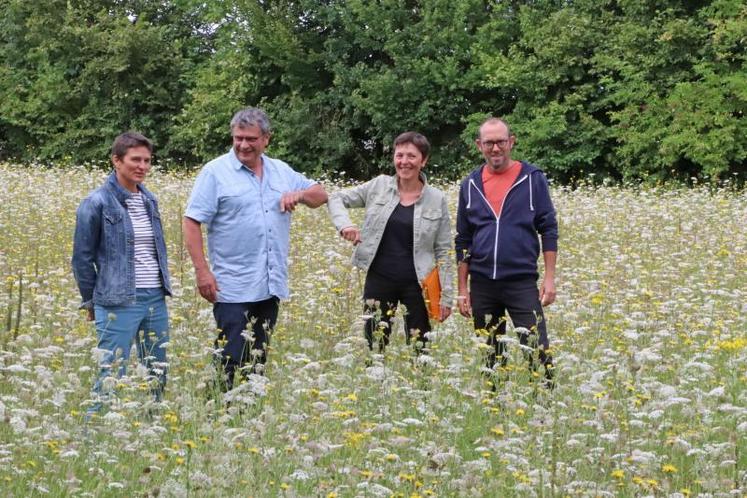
[(649, 334)]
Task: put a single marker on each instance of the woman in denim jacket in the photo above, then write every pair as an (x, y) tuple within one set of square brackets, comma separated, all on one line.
[(119, 263), (406, 233)]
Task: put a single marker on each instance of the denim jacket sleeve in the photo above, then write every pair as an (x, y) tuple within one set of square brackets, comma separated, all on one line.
[(85, 246), (354, 197)]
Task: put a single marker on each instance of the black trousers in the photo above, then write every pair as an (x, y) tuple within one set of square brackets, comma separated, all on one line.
[(234, 322), (381, 296), (492, 299)]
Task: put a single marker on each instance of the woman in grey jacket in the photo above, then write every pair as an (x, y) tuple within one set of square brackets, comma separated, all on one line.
[(406, 232)]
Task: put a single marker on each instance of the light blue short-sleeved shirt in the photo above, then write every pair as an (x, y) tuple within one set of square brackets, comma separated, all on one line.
[(248, 237)]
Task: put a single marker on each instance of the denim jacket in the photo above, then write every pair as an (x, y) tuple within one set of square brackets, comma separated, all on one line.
[(432, 226), (104, 246)]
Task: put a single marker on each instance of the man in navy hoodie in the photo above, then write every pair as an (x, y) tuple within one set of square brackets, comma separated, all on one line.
[(504, 212)]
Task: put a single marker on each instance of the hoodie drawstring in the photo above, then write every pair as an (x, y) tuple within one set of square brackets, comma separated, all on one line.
[(531, 201)]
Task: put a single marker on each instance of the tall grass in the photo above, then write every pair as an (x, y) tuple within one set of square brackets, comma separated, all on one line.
[(649, 335)]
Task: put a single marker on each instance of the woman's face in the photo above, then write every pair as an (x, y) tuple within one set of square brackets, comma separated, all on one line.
[(408, 161), (133, 167)]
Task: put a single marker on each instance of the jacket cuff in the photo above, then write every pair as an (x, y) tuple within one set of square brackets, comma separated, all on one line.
[(463, 255), (549, 244), (86, 305)]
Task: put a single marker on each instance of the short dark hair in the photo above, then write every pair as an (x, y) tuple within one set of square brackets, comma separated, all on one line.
[(251, 116), (416, 139), (127, 141), (493, 120)]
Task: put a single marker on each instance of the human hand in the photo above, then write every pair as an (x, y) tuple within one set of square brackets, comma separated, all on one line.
[(465, 305), (351, 234), (207, 285), (444, 312), (547, 292), (90, 315), (289, 200)]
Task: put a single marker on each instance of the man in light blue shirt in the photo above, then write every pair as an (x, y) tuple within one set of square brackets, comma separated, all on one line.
[(245, 199)]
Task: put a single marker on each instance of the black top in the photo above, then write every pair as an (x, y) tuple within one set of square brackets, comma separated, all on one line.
[(394, 258)]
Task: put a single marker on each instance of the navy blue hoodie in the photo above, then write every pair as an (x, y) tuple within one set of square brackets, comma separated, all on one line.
[(506, 247)]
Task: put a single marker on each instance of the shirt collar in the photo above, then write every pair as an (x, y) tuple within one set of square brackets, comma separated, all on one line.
[(237, 165)]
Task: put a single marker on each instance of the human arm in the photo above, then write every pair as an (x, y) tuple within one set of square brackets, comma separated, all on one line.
[(339, 202), (464, 228), (547, 227), (545, 219), (443, 254), (206, 283), (85, 246), (463, 298), (547, 289), (313, 197), (202, 207), (463, 247)]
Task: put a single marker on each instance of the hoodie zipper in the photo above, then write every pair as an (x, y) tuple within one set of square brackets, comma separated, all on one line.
[(497, 218)]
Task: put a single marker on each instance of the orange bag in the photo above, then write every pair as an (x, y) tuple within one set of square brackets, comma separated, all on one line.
[(432, 294)]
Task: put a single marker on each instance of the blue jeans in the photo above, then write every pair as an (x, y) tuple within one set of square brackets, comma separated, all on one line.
[(147, 323)]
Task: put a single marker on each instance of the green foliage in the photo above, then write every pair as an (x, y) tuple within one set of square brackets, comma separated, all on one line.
[(75, 74), (622, 89)]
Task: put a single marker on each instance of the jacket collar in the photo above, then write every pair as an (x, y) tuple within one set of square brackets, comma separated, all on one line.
[(120, 192), (393, 181), (526, 169)]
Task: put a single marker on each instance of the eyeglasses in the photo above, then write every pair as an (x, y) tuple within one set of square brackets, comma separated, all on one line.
[(249, 139), (489, 144)]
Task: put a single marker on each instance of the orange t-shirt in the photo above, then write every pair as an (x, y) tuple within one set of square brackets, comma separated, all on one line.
[(497, 184)]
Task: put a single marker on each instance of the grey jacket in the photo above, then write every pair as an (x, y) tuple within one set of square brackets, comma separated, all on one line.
[(432, 226)]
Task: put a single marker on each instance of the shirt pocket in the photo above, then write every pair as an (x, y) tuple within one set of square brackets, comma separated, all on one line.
[(276, 187), (235, 199)]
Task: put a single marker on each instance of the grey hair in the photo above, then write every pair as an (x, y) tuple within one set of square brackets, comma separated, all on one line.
[(493, 120), (251, 116)]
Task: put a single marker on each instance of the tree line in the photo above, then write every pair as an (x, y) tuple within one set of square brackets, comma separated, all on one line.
[(621, 89)]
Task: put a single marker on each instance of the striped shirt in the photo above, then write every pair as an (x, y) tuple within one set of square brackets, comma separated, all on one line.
[(147, 274)]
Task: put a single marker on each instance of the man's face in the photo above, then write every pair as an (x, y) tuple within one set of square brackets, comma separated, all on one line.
[(495, 144), (133, 167), (249, 143)]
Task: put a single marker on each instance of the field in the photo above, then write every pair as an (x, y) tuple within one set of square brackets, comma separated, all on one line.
[(649, 334)]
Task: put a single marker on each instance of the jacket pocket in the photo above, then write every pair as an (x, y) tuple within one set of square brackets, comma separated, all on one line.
[(430, 219), (115, 236), (431, 216), (374, 212), (111, 283)]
